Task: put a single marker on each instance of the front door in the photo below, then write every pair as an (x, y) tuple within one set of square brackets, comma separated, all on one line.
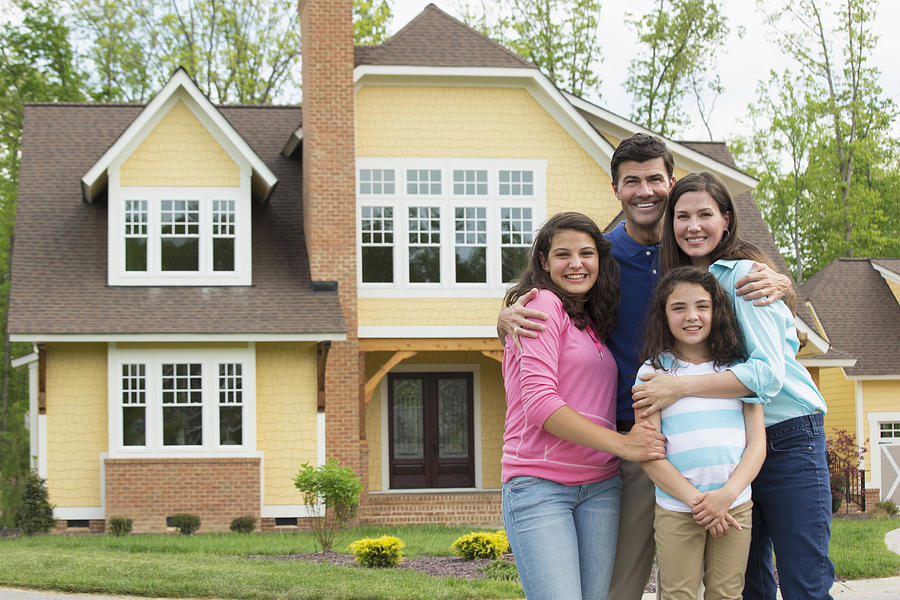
[(431, 430)]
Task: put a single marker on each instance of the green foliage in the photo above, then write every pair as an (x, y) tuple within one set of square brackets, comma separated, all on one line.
[(380, 553), (120, 526), (500, 569), (186, 523), (336, 487), (481, 544), (889, 508), (370, 21), (678, 42), (243, 524), (35, 513), (844, 459)]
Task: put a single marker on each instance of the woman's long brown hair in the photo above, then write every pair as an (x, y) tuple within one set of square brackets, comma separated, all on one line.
[(600, 303)]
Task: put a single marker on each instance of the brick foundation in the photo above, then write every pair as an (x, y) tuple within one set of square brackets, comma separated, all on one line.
[(149, 490), (452, 508)]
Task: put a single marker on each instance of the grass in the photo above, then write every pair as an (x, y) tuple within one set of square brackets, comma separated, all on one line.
[(212, 566)]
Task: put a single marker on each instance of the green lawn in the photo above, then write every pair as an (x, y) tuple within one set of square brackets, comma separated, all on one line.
[(212, 565)]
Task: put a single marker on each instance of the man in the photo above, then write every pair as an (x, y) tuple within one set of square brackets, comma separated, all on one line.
[(642, 170)]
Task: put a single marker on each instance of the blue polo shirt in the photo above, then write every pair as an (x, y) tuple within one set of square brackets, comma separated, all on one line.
[(638, 274)]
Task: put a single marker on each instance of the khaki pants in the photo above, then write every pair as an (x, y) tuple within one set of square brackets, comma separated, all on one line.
[(634, 550), (686, 553)]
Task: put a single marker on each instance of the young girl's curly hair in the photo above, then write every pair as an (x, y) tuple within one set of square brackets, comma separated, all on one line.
[(724, 341), (601, 302)]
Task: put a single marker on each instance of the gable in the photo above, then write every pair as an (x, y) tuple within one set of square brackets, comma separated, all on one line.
[(179, 151)]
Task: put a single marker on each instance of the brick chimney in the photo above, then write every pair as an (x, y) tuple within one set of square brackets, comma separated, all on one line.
[(329, 205)]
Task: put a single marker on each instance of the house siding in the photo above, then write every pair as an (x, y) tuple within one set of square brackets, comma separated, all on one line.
[(77, 424), (841, 400), (286, 399), (895, 289), (878, 396), (179, 152), (429, 311)]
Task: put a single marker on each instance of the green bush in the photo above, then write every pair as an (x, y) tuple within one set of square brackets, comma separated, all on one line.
[(336, 487), (243, 524), (120, 526), (186, 523), (35, 514), (500, 569), (382, 552), (888, 507), (481, 544)]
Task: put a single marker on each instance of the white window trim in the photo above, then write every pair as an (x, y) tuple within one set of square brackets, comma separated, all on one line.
[(475, 370), (447, 201), (154, 276), (875, 419), (153, 358)]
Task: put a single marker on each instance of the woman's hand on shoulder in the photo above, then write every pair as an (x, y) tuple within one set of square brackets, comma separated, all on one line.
[(764, 285), (517, 321), (657, 391), (644, 442)]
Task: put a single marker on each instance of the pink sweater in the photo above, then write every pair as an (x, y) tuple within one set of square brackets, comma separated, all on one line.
[(562, 366)]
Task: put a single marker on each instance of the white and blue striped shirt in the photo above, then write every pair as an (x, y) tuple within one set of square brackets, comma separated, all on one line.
[(705, 437)]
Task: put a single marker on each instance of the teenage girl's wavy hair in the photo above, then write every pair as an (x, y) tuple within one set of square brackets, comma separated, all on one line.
[(731, 245), (600, 303), (724, 341)]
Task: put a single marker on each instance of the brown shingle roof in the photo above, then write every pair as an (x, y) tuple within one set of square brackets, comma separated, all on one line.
[(435, 39), (59, 264), (715, 150), (859, 313)]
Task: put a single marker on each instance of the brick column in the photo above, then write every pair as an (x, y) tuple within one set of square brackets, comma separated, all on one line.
[(329, 203)]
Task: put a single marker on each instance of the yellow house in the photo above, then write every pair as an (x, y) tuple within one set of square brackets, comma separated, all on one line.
[(219, 294), (853, 309)]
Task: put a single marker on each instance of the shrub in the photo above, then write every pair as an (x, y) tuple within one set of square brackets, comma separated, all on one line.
[(35, 514), (243, 524), (186, 523), (500, 569), (383, 552), (889, 508), (480, 544), (120, 526), (336, 487)]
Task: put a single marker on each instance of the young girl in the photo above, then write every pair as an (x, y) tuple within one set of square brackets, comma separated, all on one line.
[(560, 475), (714, 448)]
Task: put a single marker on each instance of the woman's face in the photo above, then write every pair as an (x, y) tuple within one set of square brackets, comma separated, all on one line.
[(699, 226), (572, 262)]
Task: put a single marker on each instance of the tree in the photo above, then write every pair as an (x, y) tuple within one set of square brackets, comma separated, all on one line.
[(370, 21), (557, 36), (678, 41), (338, 489)]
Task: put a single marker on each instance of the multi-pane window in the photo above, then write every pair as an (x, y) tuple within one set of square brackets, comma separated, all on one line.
[(470, 182), (424, 227), (470, 243), (231, 404), (223, 235), (182, 404), (134, 405), (135, 235), (888, 432), (377, 228), (516, 183), (516, 235), (421, 182), (179, 235), (376, 181)]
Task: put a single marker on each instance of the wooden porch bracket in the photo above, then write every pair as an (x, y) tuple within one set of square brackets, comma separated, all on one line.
[(392, 362), (322, 349), (495, 354)]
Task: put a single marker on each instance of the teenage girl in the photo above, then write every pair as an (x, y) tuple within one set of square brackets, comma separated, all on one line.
[(714, 446)]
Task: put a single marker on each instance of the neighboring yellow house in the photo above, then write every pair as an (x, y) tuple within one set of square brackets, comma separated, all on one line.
[(177, 276), (853, 309)]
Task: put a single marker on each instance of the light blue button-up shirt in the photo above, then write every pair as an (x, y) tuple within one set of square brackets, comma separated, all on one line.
[(771, 370)]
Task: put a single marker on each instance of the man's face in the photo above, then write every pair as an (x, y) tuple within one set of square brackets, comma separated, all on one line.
[(642, 189)]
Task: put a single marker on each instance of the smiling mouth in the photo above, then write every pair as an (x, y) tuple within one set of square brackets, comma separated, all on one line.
[(576, 277), (695, 240), (692, 328), (645, 204)]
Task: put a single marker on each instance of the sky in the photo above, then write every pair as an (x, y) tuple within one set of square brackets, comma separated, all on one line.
[(743, 63)]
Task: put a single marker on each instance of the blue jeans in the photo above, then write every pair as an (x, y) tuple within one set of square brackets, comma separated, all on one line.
[(792, 512), (563, 537)]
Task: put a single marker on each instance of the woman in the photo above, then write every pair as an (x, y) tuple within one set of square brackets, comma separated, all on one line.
[(791, 495), (561, 484)]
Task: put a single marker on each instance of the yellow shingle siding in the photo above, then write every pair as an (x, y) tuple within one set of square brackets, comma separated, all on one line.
[(286, 407), (77, 422), (492, 413), (428, 311), (895, 288), (179, 152), (840, 398), (878, 396)]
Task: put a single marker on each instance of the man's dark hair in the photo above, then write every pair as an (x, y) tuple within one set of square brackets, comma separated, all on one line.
[(640, 148)]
